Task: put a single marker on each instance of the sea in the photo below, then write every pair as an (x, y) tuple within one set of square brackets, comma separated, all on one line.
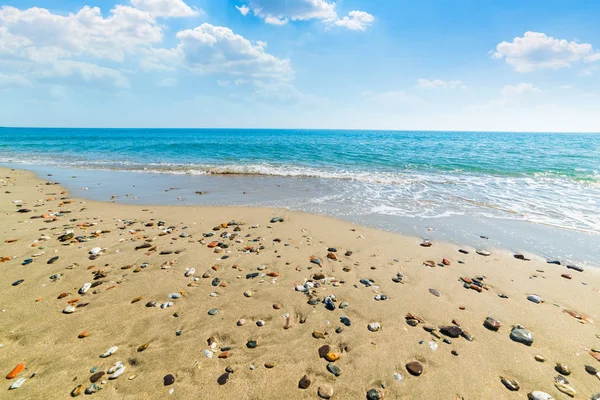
[(537, 193)]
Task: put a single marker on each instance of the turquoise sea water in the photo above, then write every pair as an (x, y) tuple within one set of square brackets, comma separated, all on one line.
[(540, 188)]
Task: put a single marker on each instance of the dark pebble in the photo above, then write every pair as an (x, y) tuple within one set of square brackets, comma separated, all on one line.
[(168, 380), (304, 382), (414, 368), (223, 379)]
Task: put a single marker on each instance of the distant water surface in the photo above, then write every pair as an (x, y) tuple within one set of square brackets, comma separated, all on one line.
[(525, 191)]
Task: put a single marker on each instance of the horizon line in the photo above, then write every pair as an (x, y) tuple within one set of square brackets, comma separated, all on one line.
[(298, 129)]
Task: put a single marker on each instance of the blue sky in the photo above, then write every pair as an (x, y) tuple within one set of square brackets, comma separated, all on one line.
[(354, 64)]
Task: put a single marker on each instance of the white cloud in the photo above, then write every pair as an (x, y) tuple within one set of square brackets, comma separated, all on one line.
[(520, 89), (36, 33), (356, 21), (537, 51), (167, 82), (8, 81), (244, 10), (216, 49), (276, 20), (438, 83), (166, 8), (280, 12)]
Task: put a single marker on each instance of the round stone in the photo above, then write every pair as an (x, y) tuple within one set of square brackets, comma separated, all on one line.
[(325, 392), (374, 394), (251, 344), (414, 368), (168, 380)]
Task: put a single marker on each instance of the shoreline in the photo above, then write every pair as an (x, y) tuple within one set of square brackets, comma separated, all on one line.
[(37, 334), (546, 240)]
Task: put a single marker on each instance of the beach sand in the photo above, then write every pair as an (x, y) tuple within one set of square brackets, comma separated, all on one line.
[(35, 331)]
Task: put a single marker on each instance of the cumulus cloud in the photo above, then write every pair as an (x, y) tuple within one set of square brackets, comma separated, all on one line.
[(520, 89), (166, 8), (212, 49), (438, 83), (356, 21), (535, 51), (38, 31), (280, 12)]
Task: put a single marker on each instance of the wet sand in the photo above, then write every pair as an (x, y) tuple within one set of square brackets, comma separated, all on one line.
[(35, 331)]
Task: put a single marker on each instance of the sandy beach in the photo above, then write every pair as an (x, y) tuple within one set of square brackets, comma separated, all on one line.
[(309, 280)]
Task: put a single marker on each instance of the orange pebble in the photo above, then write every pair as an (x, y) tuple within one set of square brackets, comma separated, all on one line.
[(215, 267), (38, 299), (224, 354), (332, 356), (35, 245), (83, 334), (75, 300), (273, 274), (213, 244), (16, 371)]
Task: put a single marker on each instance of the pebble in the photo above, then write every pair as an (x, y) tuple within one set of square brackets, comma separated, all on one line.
[(77, 391), (305, 382), (109, 352), (241, 322), (325, 392), (539, 358), (374, 326), (414, 368), (334, 369), (492, 324), (223, 379), (521, 335), (70, 309), (251, 344), (17, 384), (435, 292), (213, 311), (563, 369), (168, 380), (323, 350), (452, 330), (510, 384), (484, 253), (537, 395), (96, 377), (534, 298), (374, 394)]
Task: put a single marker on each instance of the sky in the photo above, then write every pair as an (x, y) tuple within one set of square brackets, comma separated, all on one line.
[(477, 65)]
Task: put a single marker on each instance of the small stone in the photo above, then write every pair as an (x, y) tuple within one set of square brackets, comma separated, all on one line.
[(248, 293), (510, 384), (484, 253), (414, 368), (563, 369), (452, 330), (96, 377), (334, 369), (325, 392), (305, 382), (168, 380), (241, 322), (374, 326), (323, 350), (332, 357), (251, 344), (277, 306), (539, 358), (223, 379), (374, 394), (269, 365), (435, 292), (521, 335), (213, 311), (591, 370), (492, 324)]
